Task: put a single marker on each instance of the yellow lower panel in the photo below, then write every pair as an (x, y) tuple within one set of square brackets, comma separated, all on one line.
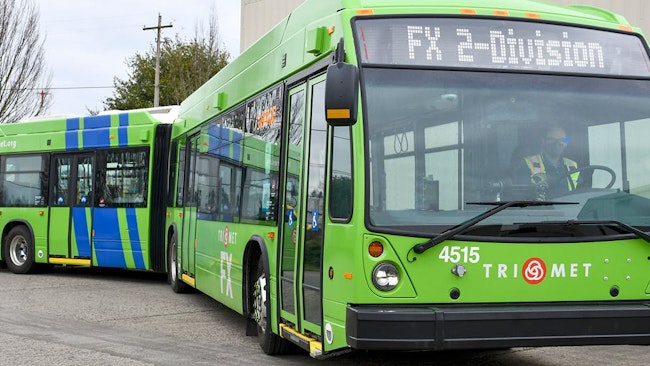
[(189, 280), (314, 347), (71, 261)]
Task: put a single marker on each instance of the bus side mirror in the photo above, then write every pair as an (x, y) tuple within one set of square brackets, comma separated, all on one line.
[(341, 94)]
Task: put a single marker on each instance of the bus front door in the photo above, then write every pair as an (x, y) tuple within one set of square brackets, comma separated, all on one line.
[(302, 230), (190, 207), (71, 205)]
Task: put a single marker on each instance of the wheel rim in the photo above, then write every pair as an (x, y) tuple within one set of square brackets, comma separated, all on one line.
[(259, 303), (172, 268), (18, 250)]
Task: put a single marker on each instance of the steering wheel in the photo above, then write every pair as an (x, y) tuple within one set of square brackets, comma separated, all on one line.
[(592, 168)]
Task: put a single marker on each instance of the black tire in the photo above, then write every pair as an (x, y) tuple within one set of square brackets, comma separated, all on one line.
[(271, 343), (175, 282), (18, 251)]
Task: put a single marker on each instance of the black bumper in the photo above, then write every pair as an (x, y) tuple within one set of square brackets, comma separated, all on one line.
[(475, 327)]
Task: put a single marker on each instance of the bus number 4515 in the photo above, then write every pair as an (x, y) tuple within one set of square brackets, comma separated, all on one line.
[(454, 254)]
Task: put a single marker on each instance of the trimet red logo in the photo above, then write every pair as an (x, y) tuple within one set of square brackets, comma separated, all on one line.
[(534, 271)]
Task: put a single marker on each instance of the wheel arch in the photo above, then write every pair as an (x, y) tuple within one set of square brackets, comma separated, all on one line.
[(255, 250), (10, 225)]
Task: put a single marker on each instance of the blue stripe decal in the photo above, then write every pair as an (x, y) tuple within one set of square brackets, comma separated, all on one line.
[(80, 227), (134, 236), (96, 138), (71, 133), (96, 131), (93, 122), (122, 134), (107, 241)]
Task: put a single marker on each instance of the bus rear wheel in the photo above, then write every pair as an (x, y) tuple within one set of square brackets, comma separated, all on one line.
[(271, 343), (19, 251), (177, 285)]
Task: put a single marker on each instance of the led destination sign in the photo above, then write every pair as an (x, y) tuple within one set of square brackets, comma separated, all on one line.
[(499, 44)]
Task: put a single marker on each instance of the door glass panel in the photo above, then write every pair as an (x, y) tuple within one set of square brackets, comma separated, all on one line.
[(59, 244), (315, 207), (180, 186), (190, 209), (84, 181), (61, 178), (292, 193)]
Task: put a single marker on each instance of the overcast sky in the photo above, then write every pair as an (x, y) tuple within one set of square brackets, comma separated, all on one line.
[(88, 41)]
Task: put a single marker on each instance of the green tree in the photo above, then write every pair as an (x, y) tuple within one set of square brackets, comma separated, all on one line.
[(23, 77), (184, 66)]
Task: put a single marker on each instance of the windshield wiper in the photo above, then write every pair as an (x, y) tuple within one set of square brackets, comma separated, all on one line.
[(461, 228), (627, 228)]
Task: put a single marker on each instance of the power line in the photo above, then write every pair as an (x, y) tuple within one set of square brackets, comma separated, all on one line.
[(59, 88), (80, 87)]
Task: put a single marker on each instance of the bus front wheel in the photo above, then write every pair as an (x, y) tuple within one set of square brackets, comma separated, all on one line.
[(271, 343), (19, 251)]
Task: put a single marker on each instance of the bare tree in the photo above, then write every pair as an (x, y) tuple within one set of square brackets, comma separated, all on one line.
[(24, 81)]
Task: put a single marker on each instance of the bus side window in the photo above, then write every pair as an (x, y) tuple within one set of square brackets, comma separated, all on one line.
[(340, 201), (225, 187), (23, 186), (253, 188), (124, 182)]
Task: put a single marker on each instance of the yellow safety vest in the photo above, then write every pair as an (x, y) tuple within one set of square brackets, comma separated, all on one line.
[(536, 166)]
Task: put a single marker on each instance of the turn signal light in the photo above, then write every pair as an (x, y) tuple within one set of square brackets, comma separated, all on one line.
[(375, 249)]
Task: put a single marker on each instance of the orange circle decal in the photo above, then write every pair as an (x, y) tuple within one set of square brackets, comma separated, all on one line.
[(534, 271)]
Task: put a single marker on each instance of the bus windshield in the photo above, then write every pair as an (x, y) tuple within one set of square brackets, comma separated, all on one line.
[(439, 140)]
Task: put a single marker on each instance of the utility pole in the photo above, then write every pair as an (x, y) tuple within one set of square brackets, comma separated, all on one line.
[(43, 94), (156, 90)]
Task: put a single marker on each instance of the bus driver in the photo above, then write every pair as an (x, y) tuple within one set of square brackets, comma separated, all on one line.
[(549, 171)]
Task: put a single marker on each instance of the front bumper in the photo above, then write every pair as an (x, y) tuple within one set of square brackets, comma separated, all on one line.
[(449, 327)]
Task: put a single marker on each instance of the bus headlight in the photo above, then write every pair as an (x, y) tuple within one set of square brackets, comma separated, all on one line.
[(385, 276)]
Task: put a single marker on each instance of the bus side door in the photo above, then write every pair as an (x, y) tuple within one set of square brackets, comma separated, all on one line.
[(190, 207), (71, 205), (302, 225)]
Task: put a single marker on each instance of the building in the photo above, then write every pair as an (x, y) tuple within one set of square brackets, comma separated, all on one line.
[(637, 12), (259, 16)]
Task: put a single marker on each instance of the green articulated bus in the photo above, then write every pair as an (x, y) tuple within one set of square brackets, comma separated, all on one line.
[(86, 191), (422, 175)]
